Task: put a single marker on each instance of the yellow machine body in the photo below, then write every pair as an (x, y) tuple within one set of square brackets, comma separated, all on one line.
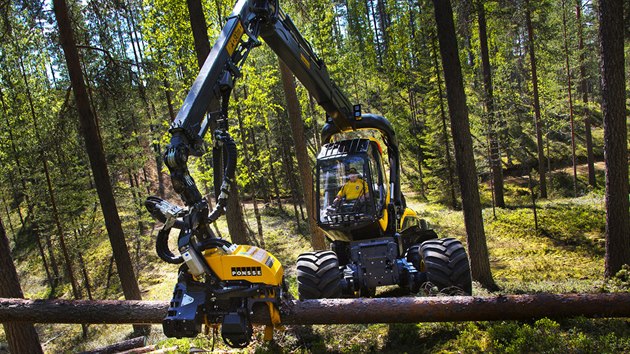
[(245, 262), (409, 216)]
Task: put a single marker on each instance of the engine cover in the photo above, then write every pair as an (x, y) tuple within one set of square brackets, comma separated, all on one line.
[(245, 263)]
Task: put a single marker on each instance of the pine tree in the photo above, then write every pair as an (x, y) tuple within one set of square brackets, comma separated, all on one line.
[(22, 337), (97, 158), (615, 135), (477, 248)]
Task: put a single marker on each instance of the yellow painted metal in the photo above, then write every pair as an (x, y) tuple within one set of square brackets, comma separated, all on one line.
[(249, 263), (407, 213), (235, 38), (274, 314), (384, 220)]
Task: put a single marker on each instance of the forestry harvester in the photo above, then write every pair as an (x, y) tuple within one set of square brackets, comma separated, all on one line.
[(375, 239)]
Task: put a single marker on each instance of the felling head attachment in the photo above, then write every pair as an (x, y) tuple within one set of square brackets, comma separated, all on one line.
[(218, 283)]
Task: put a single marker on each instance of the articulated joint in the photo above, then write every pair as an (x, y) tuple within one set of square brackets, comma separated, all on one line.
[(176, 159)]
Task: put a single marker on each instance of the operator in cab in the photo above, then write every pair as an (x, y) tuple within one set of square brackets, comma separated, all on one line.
[(355, 188)]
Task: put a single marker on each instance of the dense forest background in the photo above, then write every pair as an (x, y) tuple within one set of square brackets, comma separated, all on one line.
[(138, 59)]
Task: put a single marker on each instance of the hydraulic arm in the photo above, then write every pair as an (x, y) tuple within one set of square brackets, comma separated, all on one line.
[(376, 240), (220, 282), (249, 21)]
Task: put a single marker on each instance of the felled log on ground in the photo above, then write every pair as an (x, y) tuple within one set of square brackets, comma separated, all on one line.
[(120, 346), (338, 311)]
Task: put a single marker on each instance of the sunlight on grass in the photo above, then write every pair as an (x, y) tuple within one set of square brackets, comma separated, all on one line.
[(565, 254)]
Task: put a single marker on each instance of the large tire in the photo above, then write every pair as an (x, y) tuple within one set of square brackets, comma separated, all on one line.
[(318, 275), (446, 265)]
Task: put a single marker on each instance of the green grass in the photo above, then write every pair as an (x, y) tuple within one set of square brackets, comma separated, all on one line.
[(563, 255)]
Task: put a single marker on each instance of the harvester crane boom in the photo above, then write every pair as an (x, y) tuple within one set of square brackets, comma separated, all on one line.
[(211, 89), (375, 240)]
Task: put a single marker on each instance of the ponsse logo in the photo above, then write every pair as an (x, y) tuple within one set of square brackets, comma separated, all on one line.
[(246, 271)]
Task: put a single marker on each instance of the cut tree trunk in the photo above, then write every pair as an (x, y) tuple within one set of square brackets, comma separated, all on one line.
[(339, 311), (125, 345)]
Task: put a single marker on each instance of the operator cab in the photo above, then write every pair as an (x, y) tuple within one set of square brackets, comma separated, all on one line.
[(351, 189)]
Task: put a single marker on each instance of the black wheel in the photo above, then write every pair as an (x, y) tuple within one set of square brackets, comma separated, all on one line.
[(318, 275), (413, 257), (446, 265)]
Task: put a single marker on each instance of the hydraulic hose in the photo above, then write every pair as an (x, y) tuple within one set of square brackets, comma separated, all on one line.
[(228, 147), (212, 243), (161, 248)]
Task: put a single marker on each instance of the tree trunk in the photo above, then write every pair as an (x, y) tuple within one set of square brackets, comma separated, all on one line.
[(615, 134), (341, 311), (110, 271), (538, 119), (460, 128), (261, 182), (316, 131), (369, 5), (318, 241), (583, 88), (169, 100), (199, 30), (272, 170), (447, 144), (16, 158), (570, 97), (86, 277), (158, 161), (384, 26), (251, 170), (52, 278), (6, 209), (290, 175), (53, 200), (22, 336), (121, 347), (96, 155), (495, 153)]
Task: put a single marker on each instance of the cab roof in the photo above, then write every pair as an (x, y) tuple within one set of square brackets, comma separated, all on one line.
[(344, 148)]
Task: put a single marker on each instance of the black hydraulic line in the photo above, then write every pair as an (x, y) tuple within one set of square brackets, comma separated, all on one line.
[(213, 242), (230, 152), (162, 250)]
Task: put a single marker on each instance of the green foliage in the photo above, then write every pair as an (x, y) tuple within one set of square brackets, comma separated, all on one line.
[(139, 63), (620, 282), (542, 259)]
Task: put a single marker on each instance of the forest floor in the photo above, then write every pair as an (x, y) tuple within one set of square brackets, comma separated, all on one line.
[(564, 255)]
